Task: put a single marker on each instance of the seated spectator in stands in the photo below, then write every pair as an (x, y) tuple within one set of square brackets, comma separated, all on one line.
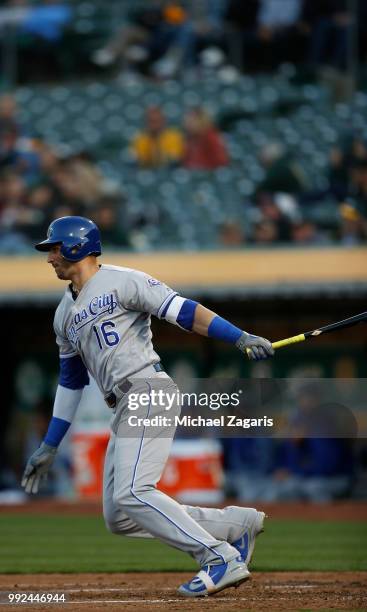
[(158, 145), (159, 39), (49, 159), (249, 463), (358, 186), (314, 465), (87, 176), (107, 218), (353, 227), (8, 113), (305, 233), (343, 158), (40, 201), (270, 211), (174, 43), (75, 179), (15, 217), (8, 140), (346, 160), (265, 232), (338, 173), (131, 39), (66, 188), (231, 235), (18, 151), (14, 188), (316, 469), (282, 173), (205, 148)]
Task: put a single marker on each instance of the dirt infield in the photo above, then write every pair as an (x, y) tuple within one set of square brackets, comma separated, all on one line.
[(336, 511), (157, 592), (286, 591)]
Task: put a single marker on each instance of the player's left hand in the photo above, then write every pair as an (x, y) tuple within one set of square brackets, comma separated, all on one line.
[(37, 467), (255, 347)]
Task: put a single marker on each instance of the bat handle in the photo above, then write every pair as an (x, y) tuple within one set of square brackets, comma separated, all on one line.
[(287, 341)]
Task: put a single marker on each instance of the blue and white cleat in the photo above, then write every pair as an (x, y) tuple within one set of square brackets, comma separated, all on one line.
[(214, 578), (253, 522)]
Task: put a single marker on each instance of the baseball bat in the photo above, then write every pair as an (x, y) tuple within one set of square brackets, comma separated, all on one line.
[(359, 318)]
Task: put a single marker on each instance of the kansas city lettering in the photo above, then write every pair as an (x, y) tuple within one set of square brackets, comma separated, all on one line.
[(100, 303), (105, 302)]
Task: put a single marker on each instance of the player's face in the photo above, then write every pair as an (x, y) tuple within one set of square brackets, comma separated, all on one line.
[(62, 267)]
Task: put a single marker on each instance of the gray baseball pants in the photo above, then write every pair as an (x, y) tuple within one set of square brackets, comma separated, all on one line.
[(132, 506)]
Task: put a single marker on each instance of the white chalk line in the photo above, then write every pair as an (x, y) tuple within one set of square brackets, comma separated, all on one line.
[(181, 600), (125, 589)]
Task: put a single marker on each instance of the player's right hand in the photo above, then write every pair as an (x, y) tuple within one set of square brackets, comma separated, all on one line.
[(37, 467), (255, 347)]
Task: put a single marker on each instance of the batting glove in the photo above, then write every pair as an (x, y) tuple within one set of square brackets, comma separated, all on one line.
[(255, 347), (37, 467)]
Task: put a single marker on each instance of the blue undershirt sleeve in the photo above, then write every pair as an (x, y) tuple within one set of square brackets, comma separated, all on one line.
[(220, 329), (73, 373), (56, 431)]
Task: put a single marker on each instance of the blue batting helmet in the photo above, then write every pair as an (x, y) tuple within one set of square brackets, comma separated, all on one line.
[(77, 236)]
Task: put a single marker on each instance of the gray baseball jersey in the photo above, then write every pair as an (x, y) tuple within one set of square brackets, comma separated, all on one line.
[(108, 324)]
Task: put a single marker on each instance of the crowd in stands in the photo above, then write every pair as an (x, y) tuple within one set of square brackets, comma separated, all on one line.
[(309, 465), (39, 182), (165, 38)]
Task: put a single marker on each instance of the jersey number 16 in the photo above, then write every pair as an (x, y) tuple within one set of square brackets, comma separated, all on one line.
[(105, 335)]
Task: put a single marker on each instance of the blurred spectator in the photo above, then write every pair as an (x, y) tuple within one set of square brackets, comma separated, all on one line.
[(305, 233), (346, 160), (282, 173), (259, 34), (249, 463), (205, 148), (175, 42), (17, 149), (231, 235), (313, 465), (329, 24), (130, 40), (159, 145), (8, 113), (265, 232), (353, 228), (358, 186), (107, 219), (274, 223), (38, 184), (159, 38), (316, 469), (8, 139), (87, 179)]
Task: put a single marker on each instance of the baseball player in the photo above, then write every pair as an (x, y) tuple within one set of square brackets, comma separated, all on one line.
[(102, 327)]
